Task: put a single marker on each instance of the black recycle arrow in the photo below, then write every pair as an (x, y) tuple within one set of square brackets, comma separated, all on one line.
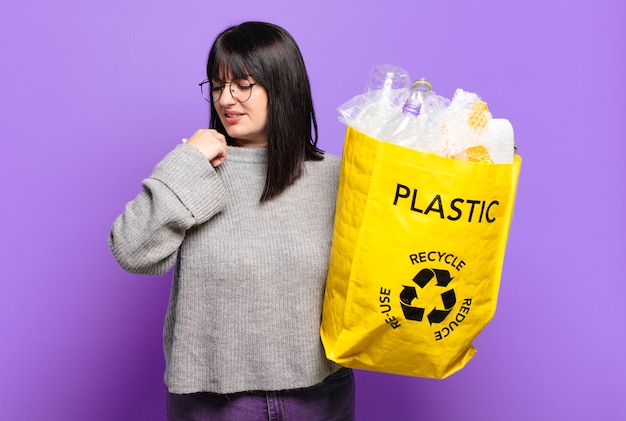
[(449, 300), (409, 294)]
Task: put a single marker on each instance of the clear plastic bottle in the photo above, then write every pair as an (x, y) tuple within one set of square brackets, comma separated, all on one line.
[(387, 77), (420, 89), (405, 129), (386, 90)]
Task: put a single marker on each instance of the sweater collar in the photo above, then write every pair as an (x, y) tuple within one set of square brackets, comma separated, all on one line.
[(245, 154)]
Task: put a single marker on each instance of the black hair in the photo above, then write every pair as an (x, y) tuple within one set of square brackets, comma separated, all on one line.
[(271, 56)]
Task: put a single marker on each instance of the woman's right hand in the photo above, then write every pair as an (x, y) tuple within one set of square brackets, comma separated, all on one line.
[(211, 143)]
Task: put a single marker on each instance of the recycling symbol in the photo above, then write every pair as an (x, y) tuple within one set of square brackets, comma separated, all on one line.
[(409, 297)]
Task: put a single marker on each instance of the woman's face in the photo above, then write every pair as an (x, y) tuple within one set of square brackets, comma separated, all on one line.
[(246, 121)]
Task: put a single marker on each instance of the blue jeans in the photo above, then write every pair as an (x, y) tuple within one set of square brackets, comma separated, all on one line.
[(331, 400)]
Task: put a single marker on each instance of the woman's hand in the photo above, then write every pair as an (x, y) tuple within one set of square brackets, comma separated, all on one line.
[(211, 143)]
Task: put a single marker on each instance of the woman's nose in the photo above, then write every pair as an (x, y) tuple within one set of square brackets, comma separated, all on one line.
[(227, 96)]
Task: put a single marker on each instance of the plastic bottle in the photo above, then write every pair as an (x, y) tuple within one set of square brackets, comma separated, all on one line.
[(386, 91), (418, 113), (387, 77), (499, 140), (420, 89)]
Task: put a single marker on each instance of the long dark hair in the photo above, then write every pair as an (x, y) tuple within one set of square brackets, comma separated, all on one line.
[(271, 56)]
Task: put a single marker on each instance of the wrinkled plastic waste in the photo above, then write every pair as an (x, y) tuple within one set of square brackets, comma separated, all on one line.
[(414, 116), (412, 122), (386, 91), (387, 77)]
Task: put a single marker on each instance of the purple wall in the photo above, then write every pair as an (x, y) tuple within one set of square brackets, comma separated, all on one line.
[(95, 93)]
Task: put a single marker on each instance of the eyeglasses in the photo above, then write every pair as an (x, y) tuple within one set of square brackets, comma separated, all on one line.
[(240, 89)]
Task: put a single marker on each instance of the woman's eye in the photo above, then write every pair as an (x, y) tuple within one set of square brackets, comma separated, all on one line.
[(217, 88)]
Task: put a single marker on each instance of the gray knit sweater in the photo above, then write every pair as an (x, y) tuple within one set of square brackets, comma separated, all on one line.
[(245, 306)]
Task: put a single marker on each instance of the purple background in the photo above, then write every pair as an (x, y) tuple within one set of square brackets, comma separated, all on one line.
[(95, 93)]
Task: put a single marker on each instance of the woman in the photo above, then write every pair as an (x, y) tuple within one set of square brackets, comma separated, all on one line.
[(244, 210)]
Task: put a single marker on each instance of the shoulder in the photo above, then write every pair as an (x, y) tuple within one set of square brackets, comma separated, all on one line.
[(330, 163), (326, 169), (323, 174), (332, 160)]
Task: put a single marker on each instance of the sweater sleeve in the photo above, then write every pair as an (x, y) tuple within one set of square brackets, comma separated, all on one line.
[(184, 190)]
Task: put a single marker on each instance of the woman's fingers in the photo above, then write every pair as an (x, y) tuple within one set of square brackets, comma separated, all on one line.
[(211, 143)]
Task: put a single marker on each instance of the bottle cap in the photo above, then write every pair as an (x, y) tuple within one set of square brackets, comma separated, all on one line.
[(422, 83)]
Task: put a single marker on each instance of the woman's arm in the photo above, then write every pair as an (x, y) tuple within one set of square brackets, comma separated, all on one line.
[(184, 190)]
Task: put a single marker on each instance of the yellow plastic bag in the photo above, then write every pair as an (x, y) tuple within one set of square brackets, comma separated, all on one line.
[(416, 259)]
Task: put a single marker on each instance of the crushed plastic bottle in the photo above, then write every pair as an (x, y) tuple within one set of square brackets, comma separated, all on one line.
[(386, 90), (403, 128), (419, 125), (387, 77), (418, 118), (420, 89)]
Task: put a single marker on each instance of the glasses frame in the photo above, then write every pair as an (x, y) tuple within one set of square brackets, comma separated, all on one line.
[(213, 100)]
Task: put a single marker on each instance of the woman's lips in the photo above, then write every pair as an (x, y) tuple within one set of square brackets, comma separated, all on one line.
[(232, 117)]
